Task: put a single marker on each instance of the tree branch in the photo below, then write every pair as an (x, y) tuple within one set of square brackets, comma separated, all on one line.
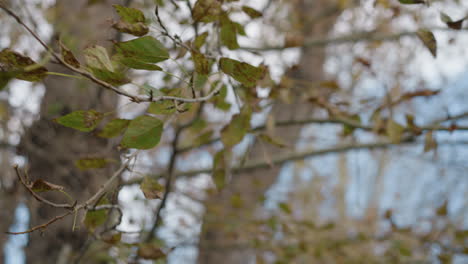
[(170, 172), (106, 185), (89, 76), (74, 208), (344, 121), (369, 36), (43, 226), (256, 165), (35, 195), (167, 187)]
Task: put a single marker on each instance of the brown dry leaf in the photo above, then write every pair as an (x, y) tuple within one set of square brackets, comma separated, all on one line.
[(43, 186)]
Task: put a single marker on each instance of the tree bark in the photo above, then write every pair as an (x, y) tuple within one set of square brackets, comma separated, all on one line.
[(224, 238), (52, 149), (10, 194)]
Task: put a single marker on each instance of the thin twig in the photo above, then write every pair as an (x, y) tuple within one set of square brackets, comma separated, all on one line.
[(195, 23), (170, 171), (106, 185), (35, 195), (167, 187), (18, 19), (344, 121), (75, 208), (104, 207), (43, 226), (166, 33), (352, 38)]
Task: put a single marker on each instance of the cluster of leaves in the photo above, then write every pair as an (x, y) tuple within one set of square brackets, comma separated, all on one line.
[(145, 52)]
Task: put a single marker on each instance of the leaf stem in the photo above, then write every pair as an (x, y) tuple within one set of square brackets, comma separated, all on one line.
[(67, 75)]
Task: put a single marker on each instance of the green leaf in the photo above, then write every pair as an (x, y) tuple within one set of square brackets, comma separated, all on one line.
[(162, 108), (130, 15), (132, 21), (347, 129), (143, 132), (411, 2), (285, 208), (235, 131), (443, 209), (145, 49), (220, 102), (114, 128), (403, 248), (228, 33), (219, 170), (203, 138), (16, 65), (445, 18), (394, 131), (200, 40), (223, 105), (114, 78), (198, 125), (137, 64), (206, 10), (5, 77), (97, 57), (202, 65), (428, 39), (85, 121), (96, 218), (252, 13), (200, 81), (40, 185), (239, 29), (93, 219), (101, 66), (242, 72), (91, 163), (151, 188)]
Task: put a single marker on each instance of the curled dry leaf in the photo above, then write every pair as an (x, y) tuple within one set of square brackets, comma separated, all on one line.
[(41, 185)]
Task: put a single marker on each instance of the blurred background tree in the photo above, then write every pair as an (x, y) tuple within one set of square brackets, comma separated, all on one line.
[(287, 131)]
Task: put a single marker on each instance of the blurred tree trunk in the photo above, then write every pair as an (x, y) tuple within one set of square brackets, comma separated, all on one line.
[(9, 196), (52, 149), (225, 236), (9, 193)]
